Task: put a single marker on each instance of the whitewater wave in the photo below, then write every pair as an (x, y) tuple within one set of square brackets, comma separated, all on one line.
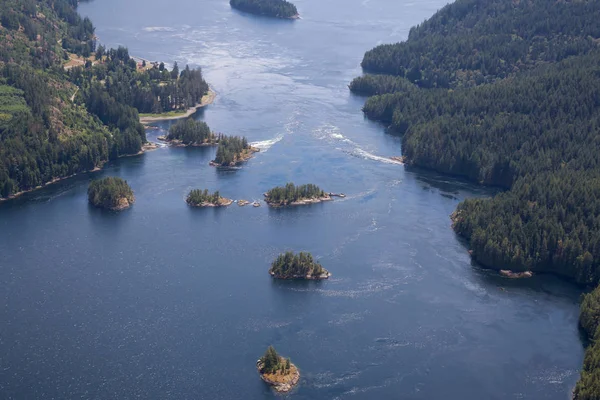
[(158, 29), (358, 152), (333, 134), (265, 145)]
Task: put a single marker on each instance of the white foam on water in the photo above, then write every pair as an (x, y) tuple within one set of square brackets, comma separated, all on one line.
[(358, 152), (332, 133), (265, 145), (158, 29)]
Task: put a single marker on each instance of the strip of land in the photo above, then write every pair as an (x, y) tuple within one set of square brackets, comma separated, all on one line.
[(206, 100)]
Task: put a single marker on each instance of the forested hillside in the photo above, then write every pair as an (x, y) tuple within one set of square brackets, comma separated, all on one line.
[(58, 119), (506, 93), (471, 42)]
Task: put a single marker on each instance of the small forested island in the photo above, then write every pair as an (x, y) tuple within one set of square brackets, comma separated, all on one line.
[(232, 151), (111, 193), (269, 8), (292, 195), (190, 133), (202, 198), (277, 371), (297, 266)]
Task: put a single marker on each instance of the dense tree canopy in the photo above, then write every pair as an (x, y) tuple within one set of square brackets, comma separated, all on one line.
[(588, 387), (284, 195), (507, 93), (45, 133), (471, 42), (197, 197), (111, 193), (296, 266), (190, 132), (272, 362), (270, 8), (232, 150)]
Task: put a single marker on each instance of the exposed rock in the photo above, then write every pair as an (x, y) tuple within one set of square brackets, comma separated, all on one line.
[(281, 383), (516, 275)]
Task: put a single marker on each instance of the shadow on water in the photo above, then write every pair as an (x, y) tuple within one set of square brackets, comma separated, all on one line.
[(262, 19), (206, 152), (63, 188), (451, 186)]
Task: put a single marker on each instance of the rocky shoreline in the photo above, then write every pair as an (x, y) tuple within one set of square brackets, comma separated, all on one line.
[(281, 383), (326, 275), (515, 275), (300, 202), (123, 203), (179, 143), (241, 158), (223, 202)]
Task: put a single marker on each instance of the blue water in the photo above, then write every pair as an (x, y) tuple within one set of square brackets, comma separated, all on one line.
[(163, 301)]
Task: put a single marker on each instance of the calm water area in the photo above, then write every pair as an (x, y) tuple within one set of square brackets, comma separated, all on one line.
[(163, 301)]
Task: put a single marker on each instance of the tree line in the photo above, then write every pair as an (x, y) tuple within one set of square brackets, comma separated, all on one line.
[(190, 132), (471, 42), (293, 266), (109, 192), (45, 134), (272, 362), (231, 150), (506, 94), (284, 195), (271, 8), (197, 197)]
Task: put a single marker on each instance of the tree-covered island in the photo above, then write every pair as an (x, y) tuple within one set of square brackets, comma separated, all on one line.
[(277, 371), (232, 151), (190, 133), (297, 266), (269, 8), (111, 193), (202, 198), (292, 195)]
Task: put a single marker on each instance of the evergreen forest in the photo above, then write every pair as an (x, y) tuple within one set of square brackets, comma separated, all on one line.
[(272, 363), (59, 117), (197, 197), (190, 133), (284, 195), (296, 266), (109, 193), (232, 150), (269, 8), (506, 94)]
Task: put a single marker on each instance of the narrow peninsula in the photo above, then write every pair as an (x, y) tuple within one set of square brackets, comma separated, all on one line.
[(291, 195), (297, 266), (190, 133), (268, 8), (277, 371), (110, 193), (202, 198), (232, 151)]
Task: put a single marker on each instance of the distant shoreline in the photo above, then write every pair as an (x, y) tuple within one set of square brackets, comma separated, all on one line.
[(207, 99)]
